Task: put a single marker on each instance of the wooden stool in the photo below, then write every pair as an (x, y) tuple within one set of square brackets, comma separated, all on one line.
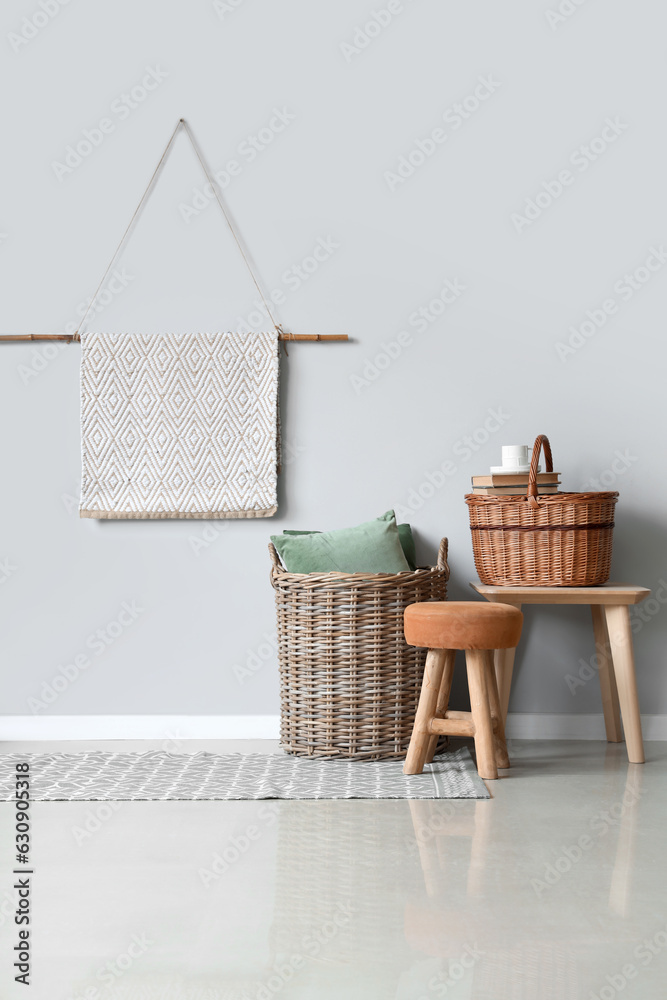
[(443, 627)]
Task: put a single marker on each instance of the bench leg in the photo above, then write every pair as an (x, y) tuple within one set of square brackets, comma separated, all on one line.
[(477, 664), (421, 733), (620, 641), (443, 699), (502, 757), (504, 662), (610, 706)]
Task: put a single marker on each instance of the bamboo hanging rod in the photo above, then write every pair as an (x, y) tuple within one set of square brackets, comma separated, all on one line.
[(73, 337)]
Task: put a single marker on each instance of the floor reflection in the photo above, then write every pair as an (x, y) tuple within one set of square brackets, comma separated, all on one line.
[(543, 892), (341, 875), (426, 898), (486, 935), (624, 865)]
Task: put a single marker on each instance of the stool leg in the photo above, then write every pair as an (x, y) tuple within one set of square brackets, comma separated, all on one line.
[(502, 757), (612, 715), (620, 640), (476, 663), (443, 699), (421, 733)]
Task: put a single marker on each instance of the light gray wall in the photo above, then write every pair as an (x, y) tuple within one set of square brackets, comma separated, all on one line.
[(353, 449)]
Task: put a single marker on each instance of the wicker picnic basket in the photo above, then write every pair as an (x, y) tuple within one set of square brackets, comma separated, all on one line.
[(349, 683), (553, 540)]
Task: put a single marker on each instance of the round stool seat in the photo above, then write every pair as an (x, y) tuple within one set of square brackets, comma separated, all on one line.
[(462, 625)]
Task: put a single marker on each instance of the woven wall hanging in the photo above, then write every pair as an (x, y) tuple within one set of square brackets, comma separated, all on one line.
[(179, 425)]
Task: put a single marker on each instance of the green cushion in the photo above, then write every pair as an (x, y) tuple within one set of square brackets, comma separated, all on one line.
[(372, 547), (407, 541), (405, 537)]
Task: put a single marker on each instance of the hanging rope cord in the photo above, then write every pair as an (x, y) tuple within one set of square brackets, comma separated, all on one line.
[(182, 123)]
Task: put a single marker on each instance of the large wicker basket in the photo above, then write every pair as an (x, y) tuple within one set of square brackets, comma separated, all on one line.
[(559, 540), (349, 683)]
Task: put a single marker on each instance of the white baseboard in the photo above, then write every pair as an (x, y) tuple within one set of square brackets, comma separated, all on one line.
[(520, 726), (543, 726), (139, 727)]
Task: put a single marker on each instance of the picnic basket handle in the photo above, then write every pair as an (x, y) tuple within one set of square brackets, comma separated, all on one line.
[(541, 443)]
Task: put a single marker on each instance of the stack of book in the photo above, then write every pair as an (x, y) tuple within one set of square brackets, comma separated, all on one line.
[(501, 484)]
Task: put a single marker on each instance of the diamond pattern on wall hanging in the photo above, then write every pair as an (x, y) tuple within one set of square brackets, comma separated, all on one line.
[(179, 425)]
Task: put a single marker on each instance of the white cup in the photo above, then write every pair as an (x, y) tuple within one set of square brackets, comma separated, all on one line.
[(515, 456)]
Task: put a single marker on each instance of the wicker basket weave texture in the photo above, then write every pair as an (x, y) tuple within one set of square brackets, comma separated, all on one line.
[(349, 683), (558, 540)]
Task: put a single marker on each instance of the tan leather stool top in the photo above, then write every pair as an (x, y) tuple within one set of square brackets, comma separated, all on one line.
[(462, 625)]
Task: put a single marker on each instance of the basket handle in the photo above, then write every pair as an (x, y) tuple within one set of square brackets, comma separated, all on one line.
[(275, 558), (276, 565), (541, 442), (442, 557)]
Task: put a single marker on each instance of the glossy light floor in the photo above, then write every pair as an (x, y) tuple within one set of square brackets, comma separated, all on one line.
[(555, 888)]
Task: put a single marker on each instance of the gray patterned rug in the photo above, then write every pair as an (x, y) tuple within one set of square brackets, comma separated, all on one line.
[(96, 776)]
